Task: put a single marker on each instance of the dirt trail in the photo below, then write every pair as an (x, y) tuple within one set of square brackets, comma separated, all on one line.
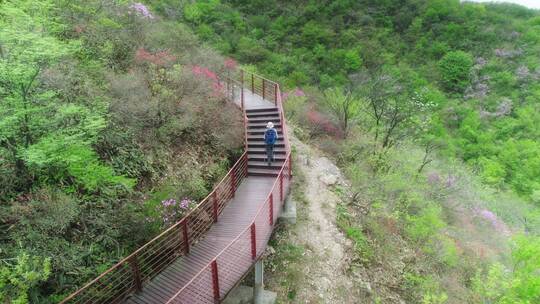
[(328, 252)]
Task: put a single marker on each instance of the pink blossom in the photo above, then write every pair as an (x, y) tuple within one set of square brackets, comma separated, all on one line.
[(79, 29), (322, 123), (159, 58), (495, 222), (202, 71), (230, 63), (141, 10), (184, 204), (433, 178), (299, 93)]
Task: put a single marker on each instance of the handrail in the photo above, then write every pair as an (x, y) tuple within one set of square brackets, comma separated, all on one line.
[(143, 264), (211, 270), (229, 181), (261, 208)]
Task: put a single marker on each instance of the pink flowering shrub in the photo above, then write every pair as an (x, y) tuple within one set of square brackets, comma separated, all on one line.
[(141, 10), (230, 64), (496, 223), (204, 72), (296, 92), (217, 86), (162, 58), (171, 211), (320, 124), (79, 29)]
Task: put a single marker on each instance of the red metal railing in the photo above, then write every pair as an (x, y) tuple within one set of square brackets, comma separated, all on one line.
[(230, 265), (145, 263), (216, 279)]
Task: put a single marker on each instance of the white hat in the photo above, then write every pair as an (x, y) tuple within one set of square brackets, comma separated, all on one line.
[(270, 125)]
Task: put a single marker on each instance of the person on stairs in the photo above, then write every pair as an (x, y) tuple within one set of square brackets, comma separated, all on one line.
[(270, 138)]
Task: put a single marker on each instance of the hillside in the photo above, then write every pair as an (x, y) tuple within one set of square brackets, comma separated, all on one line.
[(105, 138), (113, 125), (453, 86)]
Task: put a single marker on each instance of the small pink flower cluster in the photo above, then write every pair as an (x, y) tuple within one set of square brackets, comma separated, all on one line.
[(208, 74), (296, 92), (495, 222), (321, 123), (230, 64), (141, 10), (160, 58), (171, 210), (202, 71)]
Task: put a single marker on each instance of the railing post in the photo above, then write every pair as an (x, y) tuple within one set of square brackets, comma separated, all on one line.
[(253, 83), (246, 165), (215, 281), (271, 219), (290, 166), (233, 182), (281, 186), (253, 242), (185, 233), (242, 77), (263, 88), (275, 93), (242, 93), (136, 273), (215, 203)]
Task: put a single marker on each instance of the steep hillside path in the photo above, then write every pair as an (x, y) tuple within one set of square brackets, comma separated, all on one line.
[(202, 257)]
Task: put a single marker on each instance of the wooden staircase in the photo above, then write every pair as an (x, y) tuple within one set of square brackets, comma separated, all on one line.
[(256, 126)]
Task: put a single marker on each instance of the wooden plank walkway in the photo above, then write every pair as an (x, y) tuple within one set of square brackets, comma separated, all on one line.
[(238, 214), (250, 195)]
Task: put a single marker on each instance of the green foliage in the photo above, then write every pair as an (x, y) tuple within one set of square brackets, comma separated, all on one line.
[(98, 107), (423, 226), (361, 244), (18, 281), (455, 68), (521, 284), (345, 106)]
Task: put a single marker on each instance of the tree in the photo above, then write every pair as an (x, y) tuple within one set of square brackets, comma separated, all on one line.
[(394, 104), (344, 105), (455, 68), (17, 281), (47, 138)]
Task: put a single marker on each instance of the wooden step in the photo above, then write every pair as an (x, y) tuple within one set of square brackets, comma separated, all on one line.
[(263, 172), (259, 125), (276, 164), (249, 111), (263, 114), (260, 138), (263, 145), (259, 132), (265, 120), (263, 151), (262, 157)]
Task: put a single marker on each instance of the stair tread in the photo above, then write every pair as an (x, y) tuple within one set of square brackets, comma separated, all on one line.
[(260, 157), (262, 110), (260, 138), (263, 114), (276, 162)]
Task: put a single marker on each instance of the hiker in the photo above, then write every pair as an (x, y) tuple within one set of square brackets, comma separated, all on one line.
[(270, 138)]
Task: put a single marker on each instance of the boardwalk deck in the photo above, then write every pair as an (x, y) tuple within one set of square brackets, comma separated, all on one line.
[(200, 258), (238, 214), (250, 195)]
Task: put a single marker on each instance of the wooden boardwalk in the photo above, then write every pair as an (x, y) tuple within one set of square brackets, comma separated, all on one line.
[(239, 213), (200, 258)]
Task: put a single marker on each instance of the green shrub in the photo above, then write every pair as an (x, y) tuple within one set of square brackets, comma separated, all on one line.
[(18, 281), (455, 68)]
